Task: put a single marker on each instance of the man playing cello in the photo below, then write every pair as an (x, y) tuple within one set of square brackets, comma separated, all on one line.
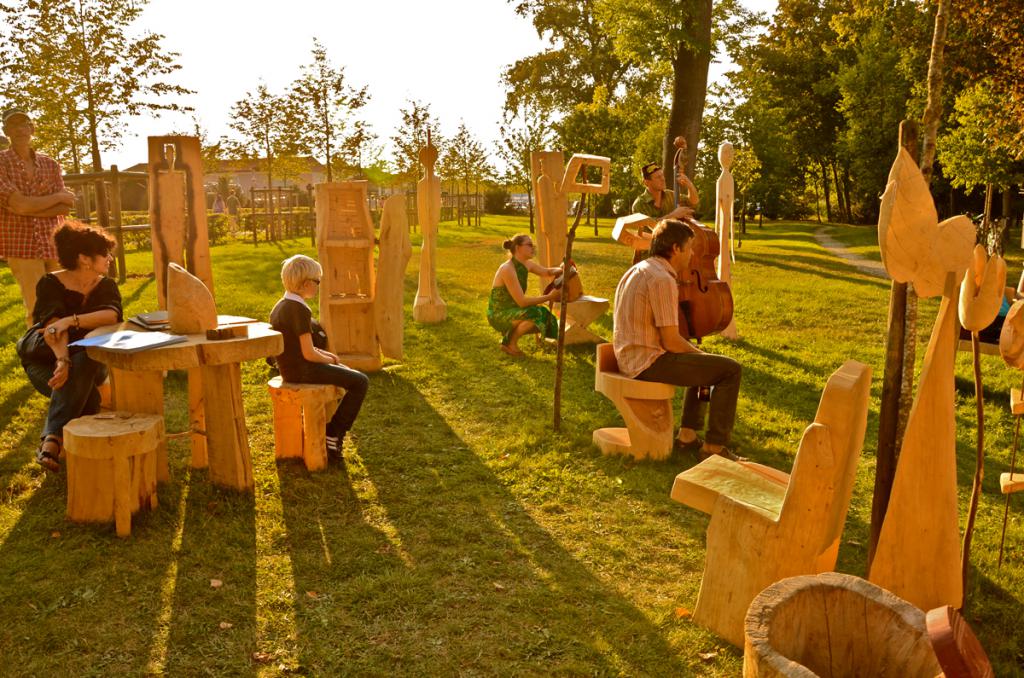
[(648, 345)]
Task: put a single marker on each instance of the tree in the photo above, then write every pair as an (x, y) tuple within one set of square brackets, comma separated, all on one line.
[(411, 136), (326, 104), (521, 133), (79, 66), (464, 159)]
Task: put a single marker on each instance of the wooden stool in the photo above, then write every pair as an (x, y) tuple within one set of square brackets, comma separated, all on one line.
[(111, 462), (300, 420), (578, 316), (646, 407)]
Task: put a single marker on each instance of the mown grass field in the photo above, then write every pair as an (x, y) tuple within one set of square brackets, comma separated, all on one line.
[(462, 536)]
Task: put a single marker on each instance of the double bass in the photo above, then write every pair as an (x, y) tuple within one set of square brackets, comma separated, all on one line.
[(705, 302)]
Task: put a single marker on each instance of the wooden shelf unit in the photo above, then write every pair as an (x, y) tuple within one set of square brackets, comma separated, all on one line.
[(345, 241)]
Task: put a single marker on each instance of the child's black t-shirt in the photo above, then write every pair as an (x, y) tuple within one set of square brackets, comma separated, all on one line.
[(292, 319)]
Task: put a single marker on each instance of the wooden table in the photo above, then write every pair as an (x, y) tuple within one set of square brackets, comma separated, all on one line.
[(216, 415)]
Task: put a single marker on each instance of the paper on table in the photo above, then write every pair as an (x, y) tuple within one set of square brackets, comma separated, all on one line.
[(129, 341)]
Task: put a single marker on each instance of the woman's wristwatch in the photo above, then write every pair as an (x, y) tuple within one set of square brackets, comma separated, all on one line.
[(65, 359)]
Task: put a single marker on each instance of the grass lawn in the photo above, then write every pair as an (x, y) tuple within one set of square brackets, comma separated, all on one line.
[(463, 536)]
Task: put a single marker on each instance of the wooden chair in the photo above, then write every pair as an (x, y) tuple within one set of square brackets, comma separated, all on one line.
[(766, 525), (300, 420), (646, 407), (111, 462), (956, 647), (834, 625)]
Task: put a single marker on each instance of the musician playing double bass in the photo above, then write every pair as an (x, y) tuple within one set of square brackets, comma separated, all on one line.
[(660, 202), (648, 345)]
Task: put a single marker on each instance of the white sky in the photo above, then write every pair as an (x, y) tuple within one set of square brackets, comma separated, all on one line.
[(448, 53)]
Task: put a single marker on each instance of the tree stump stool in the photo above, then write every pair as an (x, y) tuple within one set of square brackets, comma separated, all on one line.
[(300, 420), (646, 407), (835, 625), (111, 462)]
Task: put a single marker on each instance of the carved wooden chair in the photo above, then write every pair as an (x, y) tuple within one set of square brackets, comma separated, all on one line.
[(766, 525), (646, 407)]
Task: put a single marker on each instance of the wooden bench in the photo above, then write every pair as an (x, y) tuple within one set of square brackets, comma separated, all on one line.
[(111, 462), (765, 525), (645, 406), (300, 420)]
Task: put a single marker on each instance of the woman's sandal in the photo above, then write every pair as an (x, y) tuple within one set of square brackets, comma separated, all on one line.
[(511, 351), (49, 459)]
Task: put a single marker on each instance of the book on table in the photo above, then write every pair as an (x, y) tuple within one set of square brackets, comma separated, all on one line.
[(130, 341), (153, 320)]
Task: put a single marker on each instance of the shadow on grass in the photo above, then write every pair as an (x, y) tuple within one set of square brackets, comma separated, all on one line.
[(832, 268), (465, 580)]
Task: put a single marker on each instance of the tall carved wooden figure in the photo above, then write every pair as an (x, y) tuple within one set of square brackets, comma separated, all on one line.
[(179, 235), (344, 240), (918, 552), (552, 207), (725, 193), (429, 306), (395, 251)]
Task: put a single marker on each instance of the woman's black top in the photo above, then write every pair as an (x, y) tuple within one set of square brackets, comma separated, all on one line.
[(53, 300)]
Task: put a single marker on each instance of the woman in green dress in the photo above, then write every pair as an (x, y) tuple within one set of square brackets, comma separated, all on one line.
[(509, 310)]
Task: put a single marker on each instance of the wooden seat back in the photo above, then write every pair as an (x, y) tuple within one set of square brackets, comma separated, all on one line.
[(821, 482)]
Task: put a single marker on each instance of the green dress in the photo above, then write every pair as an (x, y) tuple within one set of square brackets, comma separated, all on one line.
[(503, 312)]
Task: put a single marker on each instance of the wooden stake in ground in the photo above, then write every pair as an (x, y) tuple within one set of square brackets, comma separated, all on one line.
[(981, 295), (562, 305)]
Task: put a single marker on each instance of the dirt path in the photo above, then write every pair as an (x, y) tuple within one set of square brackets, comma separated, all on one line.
[(869, 266)]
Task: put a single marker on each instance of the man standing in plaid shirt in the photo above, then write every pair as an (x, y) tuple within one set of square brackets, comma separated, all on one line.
[(33, 202)]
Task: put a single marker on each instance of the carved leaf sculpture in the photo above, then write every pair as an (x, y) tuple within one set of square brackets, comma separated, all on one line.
[(190, 306), (1011, 339), (915, 247), (981, 292)]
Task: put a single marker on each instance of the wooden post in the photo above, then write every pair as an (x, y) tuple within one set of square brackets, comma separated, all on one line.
[(562, 314), (887, 451), (115, 208)]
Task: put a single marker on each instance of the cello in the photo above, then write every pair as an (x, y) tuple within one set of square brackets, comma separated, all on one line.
[(705, 302)]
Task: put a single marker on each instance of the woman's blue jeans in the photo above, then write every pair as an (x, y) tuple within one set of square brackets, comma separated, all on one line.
[(78, 396)]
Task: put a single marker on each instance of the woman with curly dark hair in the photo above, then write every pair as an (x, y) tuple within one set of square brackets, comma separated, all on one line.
[(69, 303)]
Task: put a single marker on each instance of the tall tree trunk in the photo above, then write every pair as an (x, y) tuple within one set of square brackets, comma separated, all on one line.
[(933, 109), (824, 186), (817, 199), (843, 208), (529, 203), (689, 89), (846, 192)]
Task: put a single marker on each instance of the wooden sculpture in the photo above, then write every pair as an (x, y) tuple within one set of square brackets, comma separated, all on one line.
[(395, 251), (552, 208), (834, 625), (766, 525), (981, 295), (112, 463), (1011, 338), (179, 235), (344, 238), (1011, 348), (725, 194), (429, 306), (645, 406), (190, 306), (918, 552), (177, 210)]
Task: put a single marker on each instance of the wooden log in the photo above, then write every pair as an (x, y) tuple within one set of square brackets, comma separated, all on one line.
[(142, 392), (111, 462), (197, 419), (227, 437), (645, 406), (228, 332), (834, 625), (552, 208)]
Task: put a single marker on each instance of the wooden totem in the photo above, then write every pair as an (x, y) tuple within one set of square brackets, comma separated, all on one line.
[(725, 194), (918, 552), (552, 208), (429, 306), (344, 237), (395, 251)]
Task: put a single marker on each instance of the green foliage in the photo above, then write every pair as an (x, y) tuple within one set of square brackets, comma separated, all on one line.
[(81, 67), (980, 148), (464, 159), (265, 129), (417, 125), (324, 104)]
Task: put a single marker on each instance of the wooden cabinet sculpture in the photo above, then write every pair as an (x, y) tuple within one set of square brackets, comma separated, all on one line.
[(725, 194), (918, 551), (766, 525), (344, 236), (429, 307)]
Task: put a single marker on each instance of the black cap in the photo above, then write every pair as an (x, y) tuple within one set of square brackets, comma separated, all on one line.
[(649, 169)]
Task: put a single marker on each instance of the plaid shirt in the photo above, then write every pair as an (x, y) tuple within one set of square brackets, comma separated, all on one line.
[(20, 236), (647, 298)]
